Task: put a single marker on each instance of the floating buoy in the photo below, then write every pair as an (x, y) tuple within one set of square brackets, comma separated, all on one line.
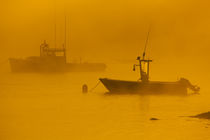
[(84, 88)]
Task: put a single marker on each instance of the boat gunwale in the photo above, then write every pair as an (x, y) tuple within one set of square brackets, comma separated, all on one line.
[(149, 82)]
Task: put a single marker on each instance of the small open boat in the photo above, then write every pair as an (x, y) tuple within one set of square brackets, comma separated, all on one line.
[(145, 86)]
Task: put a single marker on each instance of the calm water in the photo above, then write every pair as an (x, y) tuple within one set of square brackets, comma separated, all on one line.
[(52, 107)]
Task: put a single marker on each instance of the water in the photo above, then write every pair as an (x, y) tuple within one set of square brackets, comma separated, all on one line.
[(52, 107)]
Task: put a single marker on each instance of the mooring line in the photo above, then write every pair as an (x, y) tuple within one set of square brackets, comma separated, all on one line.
[(95, 86)]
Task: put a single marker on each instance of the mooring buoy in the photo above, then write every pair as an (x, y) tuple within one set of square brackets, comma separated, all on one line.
[(84, 88)]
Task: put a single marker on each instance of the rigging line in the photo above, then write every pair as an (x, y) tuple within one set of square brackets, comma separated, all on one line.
[(146, 43), (95, 86)]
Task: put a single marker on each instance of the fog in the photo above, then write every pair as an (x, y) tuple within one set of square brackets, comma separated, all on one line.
[(52, 106), (112, 31)]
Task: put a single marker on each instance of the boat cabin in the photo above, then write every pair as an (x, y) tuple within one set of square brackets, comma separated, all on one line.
[(45, 50), (52, 54)]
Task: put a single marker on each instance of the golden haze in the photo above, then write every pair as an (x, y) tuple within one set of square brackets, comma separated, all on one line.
[(111, 30), (114, 32)]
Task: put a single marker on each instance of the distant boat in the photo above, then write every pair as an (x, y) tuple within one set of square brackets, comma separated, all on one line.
[(145, 86), (52, 60)]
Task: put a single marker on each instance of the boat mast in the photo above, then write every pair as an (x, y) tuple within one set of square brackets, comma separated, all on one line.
[(144, 53), (65, 35), (55, 26), (144, 76), (65, 32)]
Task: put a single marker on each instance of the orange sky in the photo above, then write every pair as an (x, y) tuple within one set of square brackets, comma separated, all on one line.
[(110, 31)]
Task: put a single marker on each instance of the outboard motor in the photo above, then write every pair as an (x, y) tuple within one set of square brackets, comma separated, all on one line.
[(187, 83)]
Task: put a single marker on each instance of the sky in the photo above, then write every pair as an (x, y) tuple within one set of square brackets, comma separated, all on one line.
[(111, 31)]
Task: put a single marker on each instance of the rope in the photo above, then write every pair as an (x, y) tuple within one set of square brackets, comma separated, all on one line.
[(146, 43), (95, 86)]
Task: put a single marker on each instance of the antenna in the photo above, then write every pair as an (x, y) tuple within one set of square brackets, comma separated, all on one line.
[(55, 37), (144, 53), (65, 30), (65, 33)]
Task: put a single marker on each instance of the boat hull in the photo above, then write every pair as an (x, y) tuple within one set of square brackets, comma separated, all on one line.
[(52, 65), (133, 87)]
